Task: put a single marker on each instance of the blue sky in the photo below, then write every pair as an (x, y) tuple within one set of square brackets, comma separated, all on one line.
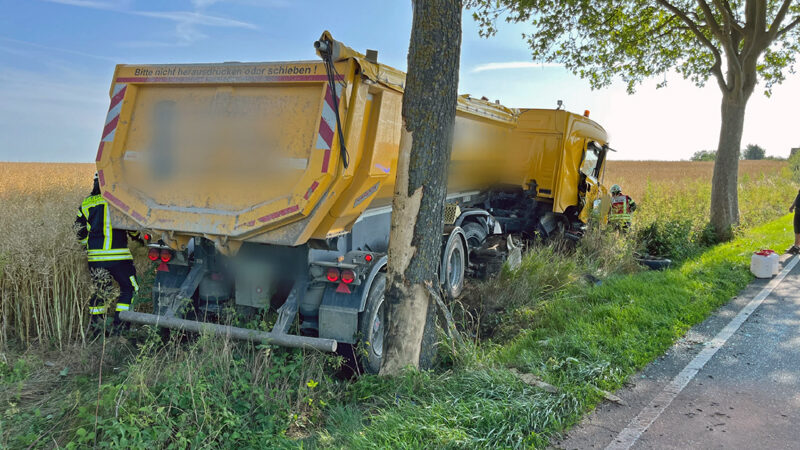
[(57, 58)]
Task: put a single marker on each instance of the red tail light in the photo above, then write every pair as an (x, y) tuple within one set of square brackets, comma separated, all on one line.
[(147, 237), (333, 275), (153, 254), (166, 255), (368, 257), (348, 276)]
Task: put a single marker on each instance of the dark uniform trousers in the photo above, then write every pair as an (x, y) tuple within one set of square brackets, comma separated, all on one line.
[(124, 273)]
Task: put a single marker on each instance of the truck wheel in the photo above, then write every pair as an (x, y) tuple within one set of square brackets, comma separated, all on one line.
[(475, 234), (371, 325), (454, 259)]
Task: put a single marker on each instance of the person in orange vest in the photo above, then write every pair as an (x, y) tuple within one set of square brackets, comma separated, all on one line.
[(622, 208), (108, 254)]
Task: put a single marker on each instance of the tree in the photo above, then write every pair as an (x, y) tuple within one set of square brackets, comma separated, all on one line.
[(753, 151), (735, 42), (704, 155), (429, 110)]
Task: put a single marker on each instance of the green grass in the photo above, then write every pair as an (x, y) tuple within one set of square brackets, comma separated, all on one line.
[(545, 319), (580, 340)]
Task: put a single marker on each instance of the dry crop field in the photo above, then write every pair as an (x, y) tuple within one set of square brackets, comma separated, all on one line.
[(44, 285), (681, 190), (634, 176)]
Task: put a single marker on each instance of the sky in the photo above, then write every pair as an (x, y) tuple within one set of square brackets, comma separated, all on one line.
[(57, 58)]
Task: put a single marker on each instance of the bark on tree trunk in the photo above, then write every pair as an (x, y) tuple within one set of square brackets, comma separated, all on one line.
[(429, 107), (725, 182)]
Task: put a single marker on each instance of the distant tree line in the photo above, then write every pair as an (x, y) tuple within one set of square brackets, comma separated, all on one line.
[(751, 152)]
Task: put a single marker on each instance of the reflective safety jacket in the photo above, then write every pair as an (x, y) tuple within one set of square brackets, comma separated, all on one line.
[(93, 224), (621, 208)]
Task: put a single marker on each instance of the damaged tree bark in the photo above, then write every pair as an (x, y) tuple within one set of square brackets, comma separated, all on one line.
[(429, 108)]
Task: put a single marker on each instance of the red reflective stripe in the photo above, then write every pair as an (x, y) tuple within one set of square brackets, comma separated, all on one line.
[(329, 98), (117, 98), (99, 151), (277, 214), (325, 131), (110, 126), (101, 178), (311, 190), (325, 160), (137, 216), (225, 79), (116, 201)]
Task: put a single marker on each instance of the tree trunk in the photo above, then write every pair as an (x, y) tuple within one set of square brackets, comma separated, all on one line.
[(725, 182), (429, 108)]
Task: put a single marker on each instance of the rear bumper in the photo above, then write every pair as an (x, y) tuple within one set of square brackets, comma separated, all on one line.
[(284, 340)]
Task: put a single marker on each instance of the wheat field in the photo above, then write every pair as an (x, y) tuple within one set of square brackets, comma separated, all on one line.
[(634, 176), (44, 284), (681, 190)]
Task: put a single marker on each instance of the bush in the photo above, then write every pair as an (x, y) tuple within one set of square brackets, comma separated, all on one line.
[(673, 239), (704, 155), (794, 165)]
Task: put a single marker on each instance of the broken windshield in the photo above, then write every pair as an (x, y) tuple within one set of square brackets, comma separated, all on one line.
[(590, 166)]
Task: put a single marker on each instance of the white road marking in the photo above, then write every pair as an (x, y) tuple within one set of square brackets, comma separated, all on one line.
[(627, 437)]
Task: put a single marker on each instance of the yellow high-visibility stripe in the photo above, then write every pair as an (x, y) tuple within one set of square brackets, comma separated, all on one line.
[(113, 251), (134, 283), (123, 306), (107, 225), (97, 310), (110, 258)]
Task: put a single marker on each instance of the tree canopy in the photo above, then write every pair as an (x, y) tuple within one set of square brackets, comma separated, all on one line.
[(638, 39), (704, 155), (753, 151), (736, 42)]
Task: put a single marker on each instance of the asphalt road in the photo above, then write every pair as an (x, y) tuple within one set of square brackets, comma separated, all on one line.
[(746, 396)]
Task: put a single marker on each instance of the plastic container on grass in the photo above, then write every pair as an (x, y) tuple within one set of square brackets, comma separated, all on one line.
[(764, 263)]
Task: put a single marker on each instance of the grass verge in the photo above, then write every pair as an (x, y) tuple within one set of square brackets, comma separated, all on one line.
[(583, 339)]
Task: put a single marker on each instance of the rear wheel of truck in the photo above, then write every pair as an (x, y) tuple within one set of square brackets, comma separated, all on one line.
[(371, 326), (454, 262)]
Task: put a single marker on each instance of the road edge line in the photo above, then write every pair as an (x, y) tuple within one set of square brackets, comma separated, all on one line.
[(639, 424)]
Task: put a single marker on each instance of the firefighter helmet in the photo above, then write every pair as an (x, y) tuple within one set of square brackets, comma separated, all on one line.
[(615, 189)]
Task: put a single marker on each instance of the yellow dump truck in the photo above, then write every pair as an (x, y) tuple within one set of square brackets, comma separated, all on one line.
[(264, 185)]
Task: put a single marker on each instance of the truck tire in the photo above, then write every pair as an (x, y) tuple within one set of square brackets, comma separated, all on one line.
[(475, 234), (454, 262), (371, 324)]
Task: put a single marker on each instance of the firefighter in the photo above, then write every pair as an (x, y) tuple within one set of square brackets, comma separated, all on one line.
[(622, 208), (108, 255)]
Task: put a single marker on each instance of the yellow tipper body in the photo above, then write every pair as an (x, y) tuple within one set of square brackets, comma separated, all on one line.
[(251, 151)]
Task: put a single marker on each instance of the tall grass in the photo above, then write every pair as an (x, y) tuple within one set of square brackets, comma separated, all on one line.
[(43, 276), (205, 392), (44, 282)]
